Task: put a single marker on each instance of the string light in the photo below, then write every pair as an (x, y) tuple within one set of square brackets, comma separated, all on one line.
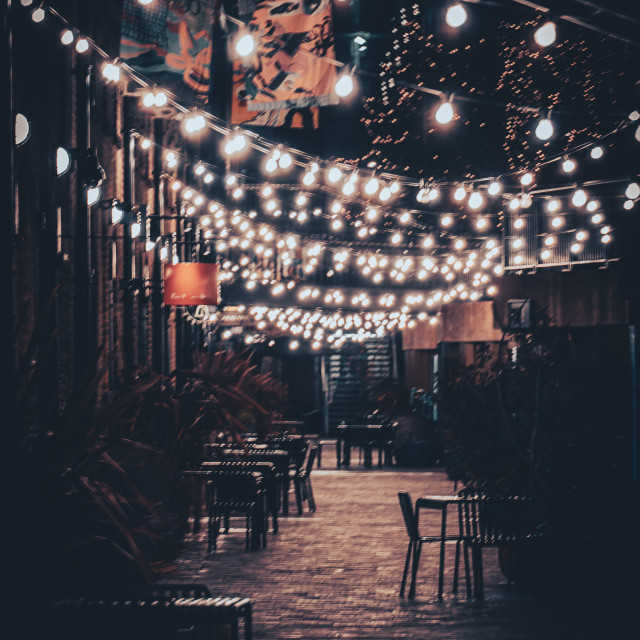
[(456, 15), (545, 35), (445, 112), (544, 129)]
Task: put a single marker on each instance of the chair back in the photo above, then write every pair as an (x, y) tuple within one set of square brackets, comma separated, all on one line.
[(407, 513), (234, 489), (310, 460), (499, 520)]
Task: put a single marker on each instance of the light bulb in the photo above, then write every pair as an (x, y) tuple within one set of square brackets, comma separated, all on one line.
[(569, 165), (344, 86), (526, 179), (632, 192), (475, 200), (111, 72), (371, 186), (82, 45), (544, 129), (445, 113), (597, 152), (459, 194), (160, 99), (576, 247), (579, 198), (194, 122), (385, 194), (553, 205), (545, 35), (456, 15), (494, 188), (334, 174), (518, 223), (67, 37), (38, 14), (628, 205), (245, 45), (285, 160), (148, 100)]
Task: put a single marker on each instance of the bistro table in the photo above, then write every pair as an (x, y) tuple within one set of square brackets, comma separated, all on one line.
[(440, 503), (365, 436)]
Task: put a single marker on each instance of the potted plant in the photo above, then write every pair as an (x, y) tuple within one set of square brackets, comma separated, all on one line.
[(540, 417)]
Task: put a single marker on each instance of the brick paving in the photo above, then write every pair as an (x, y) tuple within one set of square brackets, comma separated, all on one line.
[(336, 573)]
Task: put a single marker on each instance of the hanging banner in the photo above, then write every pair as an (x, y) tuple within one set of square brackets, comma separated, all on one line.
[(169, 41), (191, 284), (292, 68)]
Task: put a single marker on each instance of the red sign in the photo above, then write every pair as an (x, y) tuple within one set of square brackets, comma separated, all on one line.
[(191, 283)]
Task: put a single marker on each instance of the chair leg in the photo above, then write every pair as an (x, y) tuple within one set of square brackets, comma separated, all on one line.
[(467, 573), (298, 491), (406, 568), (310, 499), (414, 569), (456, 567)]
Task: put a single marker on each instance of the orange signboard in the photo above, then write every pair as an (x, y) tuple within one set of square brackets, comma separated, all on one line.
[(191, 283)]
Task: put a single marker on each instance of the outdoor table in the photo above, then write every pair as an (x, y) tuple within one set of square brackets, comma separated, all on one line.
[(440, 503), (362, 435)]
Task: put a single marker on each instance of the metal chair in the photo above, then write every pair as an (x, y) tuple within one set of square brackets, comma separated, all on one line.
[(237, 492), (416, 541), (302, 483), (496, 521)]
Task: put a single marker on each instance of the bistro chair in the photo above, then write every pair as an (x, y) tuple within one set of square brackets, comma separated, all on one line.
[(496, 521), (302, 483), (416, 540), (236, 492)]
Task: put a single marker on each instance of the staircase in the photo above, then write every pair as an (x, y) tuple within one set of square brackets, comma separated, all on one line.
[(352, 370)]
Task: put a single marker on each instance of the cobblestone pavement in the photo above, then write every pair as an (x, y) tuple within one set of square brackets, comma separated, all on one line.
[(336, 573)]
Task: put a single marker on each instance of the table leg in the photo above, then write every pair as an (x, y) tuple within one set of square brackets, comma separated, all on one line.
[(443, 537)]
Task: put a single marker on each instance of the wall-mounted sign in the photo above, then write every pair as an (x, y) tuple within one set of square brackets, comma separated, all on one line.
[(191, 284)]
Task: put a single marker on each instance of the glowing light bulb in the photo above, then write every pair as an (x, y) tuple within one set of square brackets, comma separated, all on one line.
[(459, 194), (82, 45), (632, 192), (334, 174), (518, 223), (544, 129), (111, 72), (245, 45), (494, 188), (456, 15), (160, 99), (38, 14), (581, 236), (579, 198), (344, 86), (67, 37), (628, 205), (194, 122), (597, 152), (385, 194), (526, 179), (371, 186), (445, 113), (553, 205), (148, 99), (285, 160), (546, 34), (446, 221), (514, 204), (475, 200), (556, 222), (569, 165)]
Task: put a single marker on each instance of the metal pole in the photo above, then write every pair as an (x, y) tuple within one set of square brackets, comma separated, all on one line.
[(82, 242), (157, 322), (634, 402), (7, 351), (127, 295)]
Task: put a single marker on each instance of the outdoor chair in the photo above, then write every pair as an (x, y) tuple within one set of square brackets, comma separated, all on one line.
[(152, 612), (302, 483), (416, 540), (236, 492), (266, 469), (496, 521)]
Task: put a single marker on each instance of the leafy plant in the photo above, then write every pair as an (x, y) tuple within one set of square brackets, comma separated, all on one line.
[(537, 419)]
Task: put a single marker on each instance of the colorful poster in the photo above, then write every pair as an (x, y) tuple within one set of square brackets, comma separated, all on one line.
[(169, 42), (292, 68)]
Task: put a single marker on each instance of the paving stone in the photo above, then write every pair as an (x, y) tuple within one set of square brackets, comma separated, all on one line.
[(336, 573)]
